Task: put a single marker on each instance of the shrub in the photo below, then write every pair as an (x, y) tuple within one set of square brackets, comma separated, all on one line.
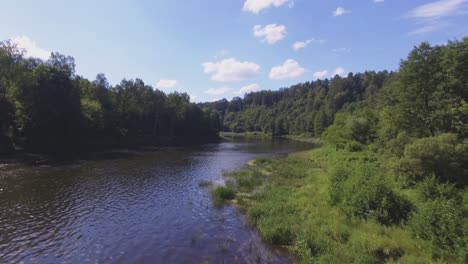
[(444, 156), (362, 191), (441, 222), (397, 145), (439, 217), (431, 189)]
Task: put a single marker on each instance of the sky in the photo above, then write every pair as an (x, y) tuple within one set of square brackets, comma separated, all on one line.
[(213, 49)]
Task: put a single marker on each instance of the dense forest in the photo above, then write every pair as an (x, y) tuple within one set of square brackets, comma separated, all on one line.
[(46, 107), (388, 186), (306, 108)]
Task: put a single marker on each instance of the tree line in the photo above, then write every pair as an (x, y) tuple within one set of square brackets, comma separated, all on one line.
[(307, 108), (46, 107)]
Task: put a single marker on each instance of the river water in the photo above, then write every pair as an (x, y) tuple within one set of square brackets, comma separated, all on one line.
[(141, 207)]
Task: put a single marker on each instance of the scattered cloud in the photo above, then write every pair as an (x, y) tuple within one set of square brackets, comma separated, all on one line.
[(340, 51), (289, 69), (428, 28), (255, 6), (303, 44), (248, 89), (166, 84), (270, 34), (218, 91), (433, 16), (321, 74), (30, 47), (231, 70), (340, 11), (339, 71), (437, 9)]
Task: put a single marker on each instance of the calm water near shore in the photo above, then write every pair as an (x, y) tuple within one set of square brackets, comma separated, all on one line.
[(142, 207)]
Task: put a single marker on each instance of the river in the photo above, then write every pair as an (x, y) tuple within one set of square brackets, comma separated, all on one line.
[(135, 207)]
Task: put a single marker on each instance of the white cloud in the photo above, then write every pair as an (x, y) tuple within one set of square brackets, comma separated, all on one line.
[(255, 6), (339, 71), (429, 27), (340, 11), (302, 44), (379, 1), (321, 74), (166, 84), (218, 91), (436, 9), (248, 88), (270, 34), (231, 70), (432, 16), (289, 69), (31, 48)]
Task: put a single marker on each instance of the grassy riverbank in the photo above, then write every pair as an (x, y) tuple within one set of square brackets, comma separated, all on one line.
[(261, 135), (324, 207)]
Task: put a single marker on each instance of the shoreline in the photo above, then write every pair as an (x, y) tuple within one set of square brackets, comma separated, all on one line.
[(287, 200)]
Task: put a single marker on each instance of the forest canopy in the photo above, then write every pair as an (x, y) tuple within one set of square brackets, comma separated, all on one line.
[(46, 107)]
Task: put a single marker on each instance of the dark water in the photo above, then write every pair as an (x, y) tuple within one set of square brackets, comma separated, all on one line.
[(146, 207)]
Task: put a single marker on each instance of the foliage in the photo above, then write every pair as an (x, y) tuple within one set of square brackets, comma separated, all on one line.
[(46, 107), (444, 156), (293, 209), (439, 218), (388, 186), (306, 108), (360, 189)]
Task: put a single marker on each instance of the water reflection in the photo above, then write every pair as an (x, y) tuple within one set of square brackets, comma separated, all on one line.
[(146, 207)]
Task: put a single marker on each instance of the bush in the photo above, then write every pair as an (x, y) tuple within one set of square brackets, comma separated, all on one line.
[(444, 156), (362, 191), (439, 217), (441, 222)]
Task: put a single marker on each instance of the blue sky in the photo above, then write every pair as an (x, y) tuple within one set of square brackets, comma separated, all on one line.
[(222, 48)]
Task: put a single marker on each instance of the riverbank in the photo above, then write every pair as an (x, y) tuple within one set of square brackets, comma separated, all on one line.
[(257, 135), (294, 203), (261, 135)]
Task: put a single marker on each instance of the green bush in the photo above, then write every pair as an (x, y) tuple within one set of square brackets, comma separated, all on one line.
[(444, 156), (439, 215), (431, 189), (441, 222), (362, 191)]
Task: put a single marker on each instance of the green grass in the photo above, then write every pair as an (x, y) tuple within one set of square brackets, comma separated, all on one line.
[(223, 193), (288, 201)]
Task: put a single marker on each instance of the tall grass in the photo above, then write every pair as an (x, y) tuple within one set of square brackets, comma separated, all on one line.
[(290, 202)]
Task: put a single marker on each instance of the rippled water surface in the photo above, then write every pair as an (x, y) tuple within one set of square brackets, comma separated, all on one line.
[(143, 207)]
